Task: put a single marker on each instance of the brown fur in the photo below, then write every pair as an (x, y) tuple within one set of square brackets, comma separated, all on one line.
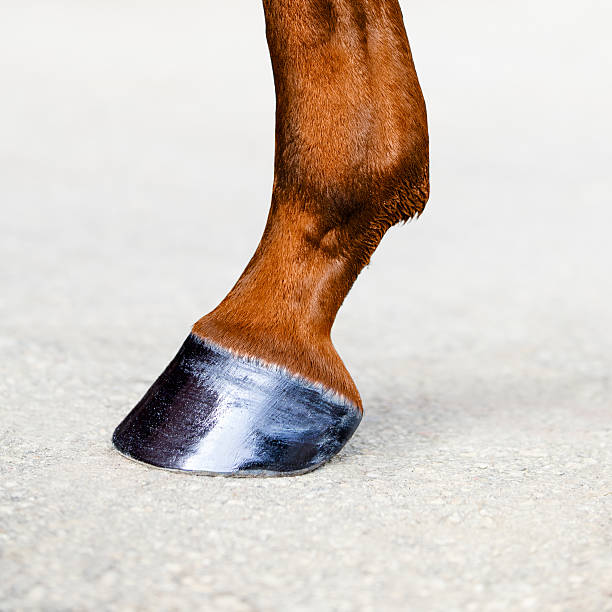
[(351, 160)]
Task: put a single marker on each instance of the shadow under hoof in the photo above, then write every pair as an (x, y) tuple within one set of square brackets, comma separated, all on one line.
[(214, 412)]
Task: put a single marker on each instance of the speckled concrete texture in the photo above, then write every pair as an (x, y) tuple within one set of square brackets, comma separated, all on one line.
[(135, 162)]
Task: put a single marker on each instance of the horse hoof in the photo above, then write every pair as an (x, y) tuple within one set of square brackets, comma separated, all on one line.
[(213, 412)]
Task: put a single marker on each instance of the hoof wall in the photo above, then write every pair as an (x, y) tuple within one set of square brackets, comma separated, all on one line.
[(212, 412)]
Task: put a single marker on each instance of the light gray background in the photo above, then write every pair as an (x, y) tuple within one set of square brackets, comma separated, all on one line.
[(136, 143)]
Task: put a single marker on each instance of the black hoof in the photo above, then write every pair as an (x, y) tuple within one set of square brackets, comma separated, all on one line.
[(213, 412)]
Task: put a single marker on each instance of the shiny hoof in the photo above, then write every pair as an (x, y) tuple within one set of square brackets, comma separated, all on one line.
[(213, 412)]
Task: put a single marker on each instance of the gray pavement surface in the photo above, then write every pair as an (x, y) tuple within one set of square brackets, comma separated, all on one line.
[(135, 174)]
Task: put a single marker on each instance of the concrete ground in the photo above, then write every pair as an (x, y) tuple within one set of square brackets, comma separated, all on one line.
[(135, 173)]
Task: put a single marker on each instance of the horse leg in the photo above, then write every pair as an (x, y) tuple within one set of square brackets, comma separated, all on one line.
[(257, 387)]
